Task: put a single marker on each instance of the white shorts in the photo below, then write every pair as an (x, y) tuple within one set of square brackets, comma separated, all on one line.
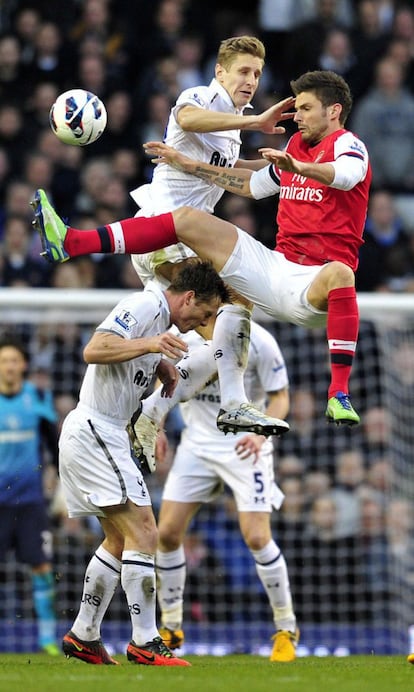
[(272, 283), (146, 264), (197, 478), (95, 465)]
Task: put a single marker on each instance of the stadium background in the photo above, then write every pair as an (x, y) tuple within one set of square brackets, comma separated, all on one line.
[(346, 526)]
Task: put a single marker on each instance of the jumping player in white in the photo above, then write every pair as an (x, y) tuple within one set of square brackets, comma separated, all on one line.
[(205, 459), (323, 178), (205, 123)]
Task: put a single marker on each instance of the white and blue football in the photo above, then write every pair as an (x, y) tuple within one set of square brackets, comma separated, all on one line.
[(78, 117)]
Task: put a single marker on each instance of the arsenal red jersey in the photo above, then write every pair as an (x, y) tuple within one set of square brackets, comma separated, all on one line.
[(318, 223)]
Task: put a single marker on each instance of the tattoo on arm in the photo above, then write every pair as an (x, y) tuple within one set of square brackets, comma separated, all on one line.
[(221, 177)]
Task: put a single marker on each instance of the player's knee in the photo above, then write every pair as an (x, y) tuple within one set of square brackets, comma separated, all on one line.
[(169, 538), (184, 220), (256, 539), (340, 275)]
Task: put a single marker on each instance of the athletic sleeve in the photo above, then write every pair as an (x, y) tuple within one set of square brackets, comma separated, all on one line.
[(349, 172), (265, 183), (351, 162), (195, 96)]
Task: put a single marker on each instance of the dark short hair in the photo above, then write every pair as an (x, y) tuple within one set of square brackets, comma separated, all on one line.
[(201, 277), (329, 88), (12, 341)]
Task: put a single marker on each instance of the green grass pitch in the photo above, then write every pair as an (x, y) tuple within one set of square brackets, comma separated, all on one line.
[(236, 673)]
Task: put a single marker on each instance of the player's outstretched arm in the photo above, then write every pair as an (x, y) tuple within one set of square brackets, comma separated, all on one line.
[(193, 119), (235, 180), (322, 172)]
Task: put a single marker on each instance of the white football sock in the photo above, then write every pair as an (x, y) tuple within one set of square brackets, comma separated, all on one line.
[(102, 577), (171, 573), (138, 582), (231, 338), (272, 570)]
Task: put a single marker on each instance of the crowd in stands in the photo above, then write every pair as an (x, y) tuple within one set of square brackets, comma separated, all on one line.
[(138, 56)]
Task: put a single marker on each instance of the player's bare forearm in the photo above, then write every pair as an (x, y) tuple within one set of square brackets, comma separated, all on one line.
[(322, 172), (105, 348), (230, 179), (193, 119)]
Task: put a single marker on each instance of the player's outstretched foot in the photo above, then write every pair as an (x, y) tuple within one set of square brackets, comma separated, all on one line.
[(284, 646), (154, 653), (90, 652), (247, 418), (51, 228), (174, 639), (340, 411)]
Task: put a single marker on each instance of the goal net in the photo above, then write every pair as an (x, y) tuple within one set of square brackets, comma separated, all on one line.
[(347, 523)]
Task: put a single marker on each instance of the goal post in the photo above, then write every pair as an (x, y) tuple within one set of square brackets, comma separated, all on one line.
[(351, 562)]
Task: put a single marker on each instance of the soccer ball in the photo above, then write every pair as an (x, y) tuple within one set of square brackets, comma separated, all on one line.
[(78, 117)]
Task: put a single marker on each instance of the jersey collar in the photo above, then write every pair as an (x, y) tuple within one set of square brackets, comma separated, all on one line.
[(223, 94)]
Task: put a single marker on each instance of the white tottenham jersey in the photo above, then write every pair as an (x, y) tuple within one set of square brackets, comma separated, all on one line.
[(115, 390), (265, 372), (171, 188)]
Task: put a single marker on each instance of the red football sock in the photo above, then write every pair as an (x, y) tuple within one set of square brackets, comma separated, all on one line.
[(136, 235), (342, 332)]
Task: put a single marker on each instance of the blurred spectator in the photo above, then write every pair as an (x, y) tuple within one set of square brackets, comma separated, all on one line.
[(384, 119), (316, 484), (349, 478), (36, 116), (306, 40), (125, 165), (102, 24), (316, 451), (385, 258), (403, 24), (96, 174), (26, 23), (240, 212), (376, 428), (67, 164), (188, 52), (12, 136), (160, 77), (399, 50), (119, 132), (169, 24), (380, 480), (16, 198), (19, 268), (275, 25), (13, 84), (343, 580), (67, 365), (370, 35), (66, 276), (91, 74), (337, 54), (375, 560), (38, 171), (48, 63)]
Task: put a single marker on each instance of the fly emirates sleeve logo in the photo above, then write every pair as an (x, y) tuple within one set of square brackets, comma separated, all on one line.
[(301, 190)]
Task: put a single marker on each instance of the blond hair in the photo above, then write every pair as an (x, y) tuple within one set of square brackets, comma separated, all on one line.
[(230, 48)]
